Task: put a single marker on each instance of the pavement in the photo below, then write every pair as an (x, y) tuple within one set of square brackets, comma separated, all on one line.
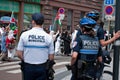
[(109, 68)]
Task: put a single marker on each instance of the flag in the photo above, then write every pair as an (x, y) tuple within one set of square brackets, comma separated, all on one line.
[(12, 22), (12, 19), (58, 21), (13, 26)]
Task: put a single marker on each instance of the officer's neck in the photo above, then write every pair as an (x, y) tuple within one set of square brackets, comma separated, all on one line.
[(37, 26)]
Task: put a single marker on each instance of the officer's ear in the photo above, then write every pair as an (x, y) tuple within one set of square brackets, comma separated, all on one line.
[(33, 22)]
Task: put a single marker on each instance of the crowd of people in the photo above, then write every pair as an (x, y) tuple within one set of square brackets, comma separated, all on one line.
[(8, 42), (62, 42)]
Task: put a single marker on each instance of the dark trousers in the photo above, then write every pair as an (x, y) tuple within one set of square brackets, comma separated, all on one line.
[(34, 72), (74, 77)]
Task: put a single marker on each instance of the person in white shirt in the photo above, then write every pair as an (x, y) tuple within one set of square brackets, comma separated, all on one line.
[(1, 32), (35, 47), (57, 44), (74, 34), (3, 55)]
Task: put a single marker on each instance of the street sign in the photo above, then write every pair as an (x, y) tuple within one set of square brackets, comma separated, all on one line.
[(108, 17), (109, 10), (61, 10), (108, 2)]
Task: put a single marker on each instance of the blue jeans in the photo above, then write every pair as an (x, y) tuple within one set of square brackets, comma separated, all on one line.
[(33, 72)]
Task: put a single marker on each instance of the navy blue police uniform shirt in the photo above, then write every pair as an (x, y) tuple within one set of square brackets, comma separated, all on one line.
[(77, 45), (99, 32), (79, 33)]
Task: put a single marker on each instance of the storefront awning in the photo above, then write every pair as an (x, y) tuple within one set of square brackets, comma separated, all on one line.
[(7, 19)]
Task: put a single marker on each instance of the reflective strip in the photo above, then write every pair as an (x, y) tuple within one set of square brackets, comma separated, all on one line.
[(85, 51), (33, 46)]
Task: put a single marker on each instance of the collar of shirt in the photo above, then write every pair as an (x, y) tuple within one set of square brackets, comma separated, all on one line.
[(37, 28)]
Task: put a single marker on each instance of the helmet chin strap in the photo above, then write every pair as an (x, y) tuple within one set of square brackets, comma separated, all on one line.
[(89, 27)]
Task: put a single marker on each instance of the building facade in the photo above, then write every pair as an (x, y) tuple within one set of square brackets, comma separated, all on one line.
[(21, 9), (74, 11)]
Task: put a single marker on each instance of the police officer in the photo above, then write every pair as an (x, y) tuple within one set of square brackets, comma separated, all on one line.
[(35, 47), (94, 14), (86, 50)]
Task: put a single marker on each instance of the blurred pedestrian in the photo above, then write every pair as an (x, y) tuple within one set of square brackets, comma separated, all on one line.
[(10, 44), (1, 32), (57, 44), (3, 45), (74, 34), (35, 47), (47, 30), (67, 40)]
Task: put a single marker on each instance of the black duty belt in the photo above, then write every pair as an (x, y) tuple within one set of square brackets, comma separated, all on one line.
[(43, 64)]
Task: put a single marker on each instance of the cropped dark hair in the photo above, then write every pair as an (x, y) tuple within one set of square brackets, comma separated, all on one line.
[(89, 31), (38, 18)]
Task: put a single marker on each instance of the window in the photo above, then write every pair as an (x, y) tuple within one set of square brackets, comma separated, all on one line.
[(31, 8), (27, 21), (54, 26), (82, 14), (69, 19)]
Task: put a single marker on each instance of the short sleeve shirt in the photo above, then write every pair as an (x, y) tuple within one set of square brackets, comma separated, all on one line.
[(100, 33), (36, 45), (78, 45)]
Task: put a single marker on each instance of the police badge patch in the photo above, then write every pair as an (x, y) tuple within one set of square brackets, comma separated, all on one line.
[(74, 44)]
